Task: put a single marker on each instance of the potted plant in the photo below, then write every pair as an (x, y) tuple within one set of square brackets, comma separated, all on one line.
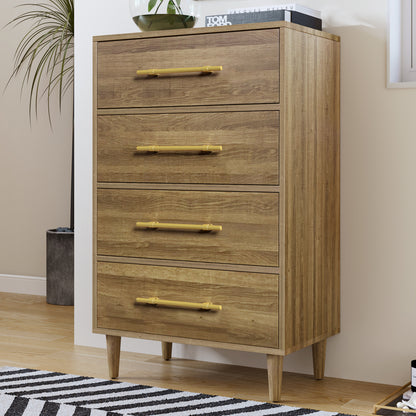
[(45, 58), (163, 14)]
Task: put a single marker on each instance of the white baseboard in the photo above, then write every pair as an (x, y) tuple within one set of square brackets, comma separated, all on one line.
[(25, 285)]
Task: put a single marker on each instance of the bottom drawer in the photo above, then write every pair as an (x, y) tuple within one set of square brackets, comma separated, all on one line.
[(249, 303)]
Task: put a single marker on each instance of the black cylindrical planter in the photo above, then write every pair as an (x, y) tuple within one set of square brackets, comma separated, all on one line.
[(60, 267)]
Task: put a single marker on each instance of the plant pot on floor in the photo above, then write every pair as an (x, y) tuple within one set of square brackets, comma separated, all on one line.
[(60, 266)]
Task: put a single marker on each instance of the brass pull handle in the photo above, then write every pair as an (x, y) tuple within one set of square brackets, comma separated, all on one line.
[(167, 71), (207, 306), (169, 226), (156, 149)]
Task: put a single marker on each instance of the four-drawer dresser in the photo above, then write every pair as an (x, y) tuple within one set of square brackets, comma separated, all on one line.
[(216, 190)]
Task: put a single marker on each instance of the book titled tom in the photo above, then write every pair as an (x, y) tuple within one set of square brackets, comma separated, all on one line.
[(248, 16)]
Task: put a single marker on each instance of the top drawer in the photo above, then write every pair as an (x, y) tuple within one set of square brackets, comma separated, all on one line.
[(250, 61)]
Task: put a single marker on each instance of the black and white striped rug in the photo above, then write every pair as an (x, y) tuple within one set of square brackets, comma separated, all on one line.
[(25, 392)]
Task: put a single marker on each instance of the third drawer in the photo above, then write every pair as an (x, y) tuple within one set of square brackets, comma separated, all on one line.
[(249, 222)]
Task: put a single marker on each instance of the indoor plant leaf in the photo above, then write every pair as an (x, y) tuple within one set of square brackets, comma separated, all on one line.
[(152, 3), (171, 7), (44, 56)]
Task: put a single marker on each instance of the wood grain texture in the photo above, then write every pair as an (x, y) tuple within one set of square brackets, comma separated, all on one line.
[(94, 182), (319, 355), (243, 55), (310, 187), (190, 341), (192, 265), (189, 187), (249, 303), (327, 231), (250, 142), (274, 375), (166, 350), (280, 211), (196, 109), (113, 355), (249, 221)]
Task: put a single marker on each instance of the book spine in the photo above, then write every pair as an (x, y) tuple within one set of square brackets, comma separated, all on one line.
[(257, 17), (290, 6), (306, 20)]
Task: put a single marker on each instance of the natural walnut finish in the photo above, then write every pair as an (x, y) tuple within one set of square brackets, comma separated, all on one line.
[(274, 373), (243, 55), (113, 355), (249, 155), (319, 355), (249, 312), (274, 189), (249, 223), (310, 210), (166, 350)]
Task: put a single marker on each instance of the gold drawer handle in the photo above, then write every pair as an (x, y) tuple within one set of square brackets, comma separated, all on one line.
[(167, 71), (169, 226), (207, 306), (156, 149)]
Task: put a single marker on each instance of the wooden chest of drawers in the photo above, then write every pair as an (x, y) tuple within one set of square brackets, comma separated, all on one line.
[(216, 190)]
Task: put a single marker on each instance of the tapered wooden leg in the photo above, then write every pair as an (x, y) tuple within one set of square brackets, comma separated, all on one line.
[(274, 372), (113, 355), (318, 353), (167, 350)]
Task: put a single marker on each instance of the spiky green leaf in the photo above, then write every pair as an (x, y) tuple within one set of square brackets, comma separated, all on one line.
[(44, 55)]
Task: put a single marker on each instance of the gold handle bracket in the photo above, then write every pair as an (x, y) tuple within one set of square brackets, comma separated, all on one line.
[(169, 71), (206, 306), (206, 148), (170, 226)]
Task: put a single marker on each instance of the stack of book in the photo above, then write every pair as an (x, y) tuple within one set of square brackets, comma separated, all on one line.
[(292, 12)]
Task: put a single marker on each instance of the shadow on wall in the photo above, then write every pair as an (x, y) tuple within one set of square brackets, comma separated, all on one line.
[(335, 17)]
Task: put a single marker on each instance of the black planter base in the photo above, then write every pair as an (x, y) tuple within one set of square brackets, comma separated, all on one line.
[(60, 267)]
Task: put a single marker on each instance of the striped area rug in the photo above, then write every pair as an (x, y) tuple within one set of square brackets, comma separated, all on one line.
[(25, 392)]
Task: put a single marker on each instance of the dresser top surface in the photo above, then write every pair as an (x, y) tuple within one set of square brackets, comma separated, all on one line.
[(217, 29)]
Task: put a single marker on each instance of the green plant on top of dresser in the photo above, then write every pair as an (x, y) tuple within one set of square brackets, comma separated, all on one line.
[(45, 59), (163, 14)]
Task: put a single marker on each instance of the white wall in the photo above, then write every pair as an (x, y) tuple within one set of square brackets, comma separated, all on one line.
[(35, 170), (378, 196)]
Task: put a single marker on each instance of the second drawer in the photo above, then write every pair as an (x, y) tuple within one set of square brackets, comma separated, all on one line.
[(249, 222), (249, 155)]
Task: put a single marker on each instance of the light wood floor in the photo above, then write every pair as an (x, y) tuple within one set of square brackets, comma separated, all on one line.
[(37, 335)]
